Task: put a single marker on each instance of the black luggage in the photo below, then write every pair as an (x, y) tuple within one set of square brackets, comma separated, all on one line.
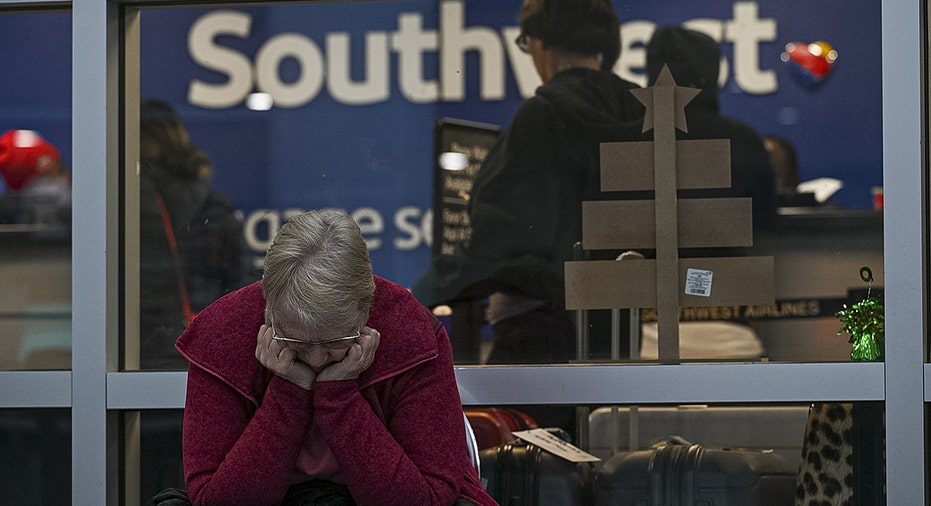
[(682, 474), (523, 474), (777, 428)]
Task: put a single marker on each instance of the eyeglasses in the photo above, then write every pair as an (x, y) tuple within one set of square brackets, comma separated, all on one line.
[(522, 43), (330, 344)]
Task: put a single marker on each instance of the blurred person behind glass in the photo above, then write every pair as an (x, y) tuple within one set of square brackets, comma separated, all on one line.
[(694, 59), (526, 202), (190, 235), (784, 159)]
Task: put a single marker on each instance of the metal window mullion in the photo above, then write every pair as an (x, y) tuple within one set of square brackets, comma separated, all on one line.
[(94, 250), (904, 237)]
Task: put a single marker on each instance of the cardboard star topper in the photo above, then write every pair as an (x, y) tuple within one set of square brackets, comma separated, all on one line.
[(656, 95)]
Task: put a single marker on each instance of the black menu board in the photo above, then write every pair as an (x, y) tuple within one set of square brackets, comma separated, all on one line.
[(460, 148)]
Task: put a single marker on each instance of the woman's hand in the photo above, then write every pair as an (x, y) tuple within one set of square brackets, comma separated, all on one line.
[(358, 358), (282, 361)]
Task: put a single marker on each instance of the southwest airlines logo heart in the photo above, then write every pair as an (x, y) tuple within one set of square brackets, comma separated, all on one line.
[(810, 63)]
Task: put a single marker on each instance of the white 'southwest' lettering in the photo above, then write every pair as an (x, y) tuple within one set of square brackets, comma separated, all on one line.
[(329, 65)]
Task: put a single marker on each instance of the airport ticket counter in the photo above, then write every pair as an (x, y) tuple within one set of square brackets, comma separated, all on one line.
[(818, 255)]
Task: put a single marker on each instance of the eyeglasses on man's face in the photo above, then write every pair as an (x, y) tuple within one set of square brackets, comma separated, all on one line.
[(522, 43), (338, 343)]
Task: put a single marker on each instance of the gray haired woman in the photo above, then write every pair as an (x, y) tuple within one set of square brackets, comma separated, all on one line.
[(294, 397)]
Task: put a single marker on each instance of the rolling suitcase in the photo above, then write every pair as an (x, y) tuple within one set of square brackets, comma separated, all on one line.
[(678, 473), (526, 475), (777, 428)]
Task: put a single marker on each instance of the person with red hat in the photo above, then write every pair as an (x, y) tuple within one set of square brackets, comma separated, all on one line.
[(38, 184)]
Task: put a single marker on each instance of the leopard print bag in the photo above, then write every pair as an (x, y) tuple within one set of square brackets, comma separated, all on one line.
[(843, 456)]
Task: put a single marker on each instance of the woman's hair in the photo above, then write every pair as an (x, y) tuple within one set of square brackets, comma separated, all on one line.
[(165, 141), (586, 27), (318, 273)]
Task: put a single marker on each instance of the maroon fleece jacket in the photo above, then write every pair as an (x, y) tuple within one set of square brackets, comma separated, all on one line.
[(396, 432)]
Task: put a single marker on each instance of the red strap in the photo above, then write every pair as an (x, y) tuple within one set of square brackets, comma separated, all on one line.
[(173, 245)]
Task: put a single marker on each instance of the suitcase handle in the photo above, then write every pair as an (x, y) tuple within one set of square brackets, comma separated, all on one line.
[(672, 472)]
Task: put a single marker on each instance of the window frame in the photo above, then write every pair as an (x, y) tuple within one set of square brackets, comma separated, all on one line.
[(97, 391)]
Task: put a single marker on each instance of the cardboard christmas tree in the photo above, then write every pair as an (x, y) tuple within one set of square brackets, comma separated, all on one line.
[(666, 165)]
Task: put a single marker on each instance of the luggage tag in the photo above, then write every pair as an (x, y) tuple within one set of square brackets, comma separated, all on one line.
[(553, 444)]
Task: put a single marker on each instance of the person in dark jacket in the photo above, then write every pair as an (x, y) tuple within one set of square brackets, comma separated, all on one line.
[(694, 59), (190, 235), (526, 201)]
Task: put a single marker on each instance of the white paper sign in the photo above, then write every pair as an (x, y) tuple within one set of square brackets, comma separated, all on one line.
[(549, 442), (698, 282)]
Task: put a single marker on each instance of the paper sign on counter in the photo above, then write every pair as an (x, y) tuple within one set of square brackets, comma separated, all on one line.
[(551, 443)]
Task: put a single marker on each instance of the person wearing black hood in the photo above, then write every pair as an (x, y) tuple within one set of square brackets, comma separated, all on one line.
[(694, 59), (526, 202)]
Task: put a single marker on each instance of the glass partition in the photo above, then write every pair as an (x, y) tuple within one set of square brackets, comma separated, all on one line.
[(35, 191), (294, 107), (818, 250), (160, 460), (35, 464), (250, 114), (457, 60)]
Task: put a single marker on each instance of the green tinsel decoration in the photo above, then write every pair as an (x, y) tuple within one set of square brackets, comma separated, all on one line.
[(865, 321)]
